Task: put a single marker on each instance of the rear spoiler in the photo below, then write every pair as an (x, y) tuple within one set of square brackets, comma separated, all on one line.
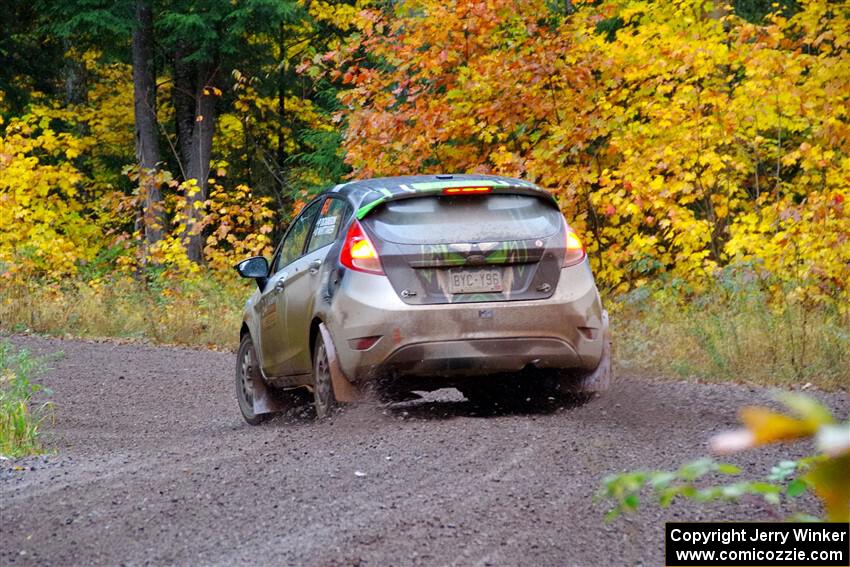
[(415, 190)]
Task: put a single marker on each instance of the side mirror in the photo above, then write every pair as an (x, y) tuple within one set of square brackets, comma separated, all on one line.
[(256, 268)]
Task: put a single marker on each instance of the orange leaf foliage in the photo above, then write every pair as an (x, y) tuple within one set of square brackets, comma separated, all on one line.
[(685, 140)]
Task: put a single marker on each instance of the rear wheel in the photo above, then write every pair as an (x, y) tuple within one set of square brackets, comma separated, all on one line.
[(323, 392), (247, 373)]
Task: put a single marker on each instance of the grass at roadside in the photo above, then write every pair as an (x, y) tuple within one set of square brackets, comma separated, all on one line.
[(198, 312), (19, 419), (734, 331), (741, 334)]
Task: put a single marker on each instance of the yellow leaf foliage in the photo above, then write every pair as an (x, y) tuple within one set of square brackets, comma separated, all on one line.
[(683, 141), (43, 224)]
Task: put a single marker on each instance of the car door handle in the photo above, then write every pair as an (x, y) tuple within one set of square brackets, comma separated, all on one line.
[(314, 266), (278, 286)]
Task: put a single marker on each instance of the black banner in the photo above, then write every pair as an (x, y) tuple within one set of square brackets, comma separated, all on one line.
[(757, 544)]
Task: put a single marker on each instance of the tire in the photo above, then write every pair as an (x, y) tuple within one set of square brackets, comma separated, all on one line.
[(323, 391), (247, 371)]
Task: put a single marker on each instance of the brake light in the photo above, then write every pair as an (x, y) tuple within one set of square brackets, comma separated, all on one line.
[(466, 190), (358, 253), (575, 251)]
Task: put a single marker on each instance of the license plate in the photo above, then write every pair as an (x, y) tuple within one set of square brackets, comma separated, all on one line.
[(475, 281)]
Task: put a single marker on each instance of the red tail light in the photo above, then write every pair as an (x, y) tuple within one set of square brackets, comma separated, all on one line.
[(358, 253), (575, 251), (466, 190)]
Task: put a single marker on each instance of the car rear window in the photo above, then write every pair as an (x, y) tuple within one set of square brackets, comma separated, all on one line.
[(474, 218)]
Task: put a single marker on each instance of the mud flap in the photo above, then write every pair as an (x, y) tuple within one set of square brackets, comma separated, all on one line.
[(266, 400), (597, 380), (344, 391)]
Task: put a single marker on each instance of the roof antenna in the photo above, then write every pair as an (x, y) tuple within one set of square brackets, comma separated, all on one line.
[(444, 176)]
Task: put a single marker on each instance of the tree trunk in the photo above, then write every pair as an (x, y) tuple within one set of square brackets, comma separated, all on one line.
[(282, 195), (198, 163), (280, 156), (144, 106), (183, 98), (76, 77)]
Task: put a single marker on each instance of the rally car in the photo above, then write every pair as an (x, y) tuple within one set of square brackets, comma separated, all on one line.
[(418, 283)]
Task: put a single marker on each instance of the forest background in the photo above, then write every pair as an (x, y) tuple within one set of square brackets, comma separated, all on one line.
[(701, 149)]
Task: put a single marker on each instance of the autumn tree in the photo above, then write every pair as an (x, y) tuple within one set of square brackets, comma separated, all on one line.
[(679, 137), (144, 107), (207, 41), (192, 50), (30, 57), (105, 28)]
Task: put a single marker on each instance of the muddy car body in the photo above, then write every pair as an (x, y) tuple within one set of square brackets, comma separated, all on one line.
[(416, 283)]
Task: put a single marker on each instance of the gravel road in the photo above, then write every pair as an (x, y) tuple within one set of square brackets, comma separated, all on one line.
[(154, 465)]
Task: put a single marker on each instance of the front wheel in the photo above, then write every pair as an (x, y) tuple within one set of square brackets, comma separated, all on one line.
[(247, 375), (323, 392)]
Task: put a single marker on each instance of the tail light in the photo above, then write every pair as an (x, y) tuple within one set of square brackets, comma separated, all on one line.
[(466, 190), (358, 253), (575, 251)]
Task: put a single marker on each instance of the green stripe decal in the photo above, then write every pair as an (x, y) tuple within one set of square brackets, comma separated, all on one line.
[(366, 209)]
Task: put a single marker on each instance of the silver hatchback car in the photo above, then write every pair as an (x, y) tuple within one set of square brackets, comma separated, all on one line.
[(418, 283)]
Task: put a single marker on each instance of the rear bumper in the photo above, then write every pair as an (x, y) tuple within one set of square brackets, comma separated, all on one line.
[(480, 356), (566, 330)]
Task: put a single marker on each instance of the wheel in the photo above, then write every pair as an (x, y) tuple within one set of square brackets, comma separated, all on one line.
[(247, 372), (323, 392)]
